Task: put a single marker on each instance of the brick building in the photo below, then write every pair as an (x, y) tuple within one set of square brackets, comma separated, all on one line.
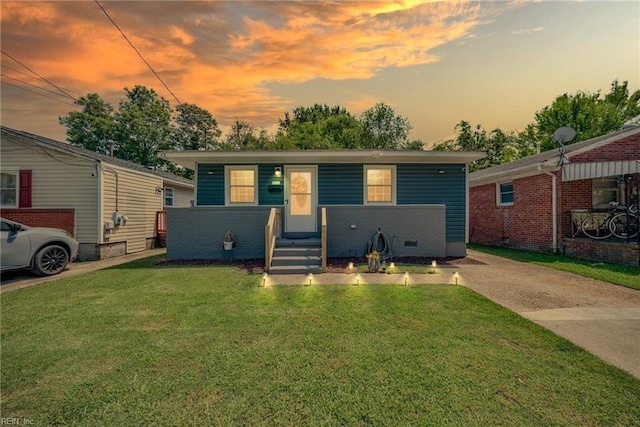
[(537, 203)]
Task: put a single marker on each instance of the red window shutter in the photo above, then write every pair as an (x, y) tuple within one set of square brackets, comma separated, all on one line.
[(25, 189)]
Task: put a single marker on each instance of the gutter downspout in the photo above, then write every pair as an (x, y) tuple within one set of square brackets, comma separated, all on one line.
[(554, 206)]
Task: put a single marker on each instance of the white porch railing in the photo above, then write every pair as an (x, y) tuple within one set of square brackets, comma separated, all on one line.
[(323, 239), (272, 231)]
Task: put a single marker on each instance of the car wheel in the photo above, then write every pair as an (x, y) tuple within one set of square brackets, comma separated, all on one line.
[(50, 260)]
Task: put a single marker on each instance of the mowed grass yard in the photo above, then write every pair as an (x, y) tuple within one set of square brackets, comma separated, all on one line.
[(156, 345)]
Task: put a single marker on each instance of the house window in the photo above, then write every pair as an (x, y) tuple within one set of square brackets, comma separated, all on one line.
[(9, 189), (380, 183), (505, 193), (241, 185), (168, 196), (605, 191)]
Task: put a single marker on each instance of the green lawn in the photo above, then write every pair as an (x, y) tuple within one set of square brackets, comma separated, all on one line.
[(616, 274), (149, 345)]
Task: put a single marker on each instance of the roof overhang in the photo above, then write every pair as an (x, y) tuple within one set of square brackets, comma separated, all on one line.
[(503, 176), (189, 159), (576, 171)]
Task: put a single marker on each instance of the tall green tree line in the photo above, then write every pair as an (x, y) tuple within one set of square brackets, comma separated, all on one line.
[(589, 114), (144, 124)]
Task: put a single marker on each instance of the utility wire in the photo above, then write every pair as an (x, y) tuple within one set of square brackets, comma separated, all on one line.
[(138, 52), (57, 87), (30, 76), (30, 84), (38, 93)]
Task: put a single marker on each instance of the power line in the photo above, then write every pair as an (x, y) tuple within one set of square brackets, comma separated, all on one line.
[(138, 52), (60, 89), (37, 93), (30, 76), (30, 84)]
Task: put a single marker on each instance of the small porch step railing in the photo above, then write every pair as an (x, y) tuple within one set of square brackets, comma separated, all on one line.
[(289, 256)]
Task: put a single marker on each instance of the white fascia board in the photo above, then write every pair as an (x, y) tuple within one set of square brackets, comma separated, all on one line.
[(527, 172), (190, 158)]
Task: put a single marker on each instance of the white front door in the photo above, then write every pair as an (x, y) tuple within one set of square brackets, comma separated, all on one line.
[(300, 199)]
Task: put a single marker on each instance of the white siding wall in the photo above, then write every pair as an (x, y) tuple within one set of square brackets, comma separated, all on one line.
[(59, 180), (182, 196), (137, 199)]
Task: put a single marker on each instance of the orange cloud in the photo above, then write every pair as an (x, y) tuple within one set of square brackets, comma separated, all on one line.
[(221, 61)]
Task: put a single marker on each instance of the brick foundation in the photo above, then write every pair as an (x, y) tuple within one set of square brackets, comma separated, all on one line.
[(602, 251)]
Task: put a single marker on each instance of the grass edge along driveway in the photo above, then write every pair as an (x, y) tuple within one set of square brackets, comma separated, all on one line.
[(617, 274), (155, 345)]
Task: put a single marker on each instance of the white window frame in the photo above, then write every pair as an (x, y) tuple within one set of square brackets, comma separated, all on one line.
[(167, 191), (16, 195), (598, 190), (499, 193), (393, 170), (227, 184)]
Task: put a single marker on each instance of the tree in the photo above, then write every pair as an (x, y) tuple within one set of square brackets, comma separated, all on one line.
[(314, 115), (383, 129), (196, 129), (93, 127), (143, 127), (587, 113), (242, 136), (500, 147), (319, 127)]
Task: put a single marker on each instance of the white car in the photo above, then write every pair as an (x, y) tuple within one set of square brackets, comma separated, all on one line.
[(46, 251)]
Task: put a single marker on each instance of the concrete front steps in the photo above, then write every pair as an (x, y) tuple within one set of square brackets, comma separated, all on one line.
[(297, 256)]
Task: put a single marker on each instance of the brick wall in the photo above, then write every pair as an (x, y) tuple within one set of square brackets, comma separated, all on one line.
[(624, 149), (54, 218), (525, 225), (572, 195), (419, 230), (198, 232), (602, 251)]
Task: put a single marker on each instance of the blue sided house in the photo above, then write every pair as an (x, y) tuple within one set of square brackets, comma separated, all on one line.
[(296, 208)]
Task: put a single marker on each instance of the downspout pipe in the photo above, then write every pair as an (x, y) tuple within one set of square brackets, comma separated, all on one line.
[(554, 206)]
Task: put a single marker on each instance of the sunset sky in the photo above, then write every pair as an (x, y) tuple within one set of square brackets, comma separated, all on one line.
[(436, 63)]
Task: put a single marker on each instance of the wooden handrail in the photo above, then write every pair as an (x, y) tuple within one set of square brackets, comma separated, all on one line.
[(323, 237)]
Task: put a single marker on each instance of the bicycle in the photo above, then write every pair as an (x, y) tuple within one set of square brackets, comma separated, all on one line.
[(625, 224), (620, 221)]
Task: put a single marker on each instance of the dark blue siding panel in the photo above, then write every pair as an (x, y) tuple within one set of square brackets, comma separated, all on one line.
[(268, 193), (340, 184), (210, 185), (423, 184)]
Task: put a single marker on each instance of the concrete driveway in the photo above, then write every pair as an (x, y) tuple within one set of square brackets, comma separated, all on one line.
[(602, 318)]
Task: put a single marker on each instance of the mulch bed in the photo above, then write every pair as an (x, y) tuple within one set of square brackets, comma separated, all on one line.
[(334, 265)]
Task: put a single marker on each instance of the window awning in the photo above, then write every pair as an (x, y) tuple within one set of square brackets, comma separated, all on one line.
[(576, 171)]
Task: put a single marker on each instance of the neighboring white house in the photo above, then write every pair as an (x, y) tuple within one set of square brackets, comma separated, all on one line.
[(109, 205)]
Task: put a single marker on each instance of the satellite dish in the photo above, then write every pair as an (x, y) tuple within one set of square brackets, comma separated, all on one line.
[(564, 134)]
